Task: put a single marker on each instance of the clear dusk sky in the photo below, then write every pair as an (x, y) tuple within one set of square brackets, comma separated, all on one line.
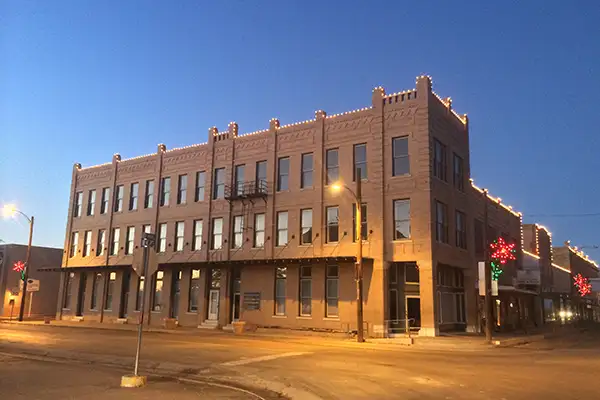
[(82, 80)]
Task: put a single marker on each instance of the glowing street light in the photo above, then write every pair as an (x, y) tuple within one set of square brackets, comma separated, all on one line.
[(337, 187), (10, 211)]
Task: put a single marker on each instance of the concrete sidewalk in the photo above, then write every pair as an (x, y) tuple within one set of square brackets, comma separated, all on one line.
[(448, 342)]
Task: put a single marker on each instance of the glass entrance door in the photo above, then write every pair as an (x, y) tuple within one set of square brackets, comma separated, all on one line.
[(413, 311), (213, 305)]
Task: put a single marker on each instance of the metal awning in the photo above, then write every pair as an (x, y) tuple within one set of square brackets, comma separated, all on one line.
[(263, 261)]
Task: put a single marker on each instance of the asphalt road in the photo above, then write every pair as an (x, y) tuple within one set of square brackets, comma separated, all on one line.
[(26, 378), (560, 369)]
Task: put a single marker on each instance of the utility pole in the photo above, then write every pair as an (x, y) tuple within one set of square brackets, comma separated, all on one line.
[(360, 336), (488, 272), (26, 271)]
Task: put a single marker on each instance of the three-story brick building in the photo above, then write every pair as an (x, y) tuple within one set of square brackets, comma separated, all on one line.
[(248, 227)]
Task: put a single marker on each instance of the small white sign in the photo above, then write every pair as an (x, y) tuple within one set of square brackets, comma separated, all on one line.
[(33, 285), (481, 266)]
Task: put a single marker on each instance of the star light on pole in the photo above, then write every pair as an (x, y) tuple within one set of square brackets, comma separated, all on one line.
[(502, 252)]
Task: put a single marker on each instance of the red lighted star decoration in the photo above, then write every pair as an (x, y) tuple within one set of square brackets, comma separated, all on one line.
[(582, 284), (502, 251), (19, 266)]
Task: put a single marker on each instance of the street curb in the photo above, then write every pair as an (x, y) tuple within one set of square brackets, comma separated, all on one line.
[(181, 372)]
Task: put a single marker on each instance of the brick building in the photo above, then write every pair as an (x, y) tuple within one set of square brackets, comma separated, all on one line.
[(40, 303), (248, 227)]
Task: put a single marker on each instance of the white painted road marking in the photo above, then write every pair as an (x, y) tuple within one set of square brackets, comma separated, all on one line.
[(262, 358)]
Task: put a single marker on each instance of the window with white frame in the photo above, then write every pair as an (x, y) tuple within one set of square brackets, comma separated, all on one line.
[(400, 156), (179, 235), (332, 291), (182, 189), (197, 243), (217, 234), (149, 195), (101, 245), (364, 232), (333, 224), (114, 243), (130, 240), (105, 200), (165, 191), (74, 244), (219, 183), (77, 204), (360, 161), (91, 202), (133, 196), (87, 243), (401, 219), (162, 238), (282, 228), (238, 231), (200, 183), (259, 230), (333, 166), (119, 193), (306, 179), (280, 283), (283, 173), (305, 291), (306, 226)]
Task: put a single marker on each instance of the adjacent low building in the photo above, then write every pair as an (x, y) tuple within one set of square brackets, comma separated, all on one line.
[(42, 292)]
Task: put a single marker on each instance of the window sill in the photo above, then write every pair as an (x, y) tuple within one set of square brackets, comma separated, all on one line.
[(257, 248), (304, 317), (331, 318), (279, 316), (191, 312), (400, 241), (401, 176), (412, 283), (331, 243)]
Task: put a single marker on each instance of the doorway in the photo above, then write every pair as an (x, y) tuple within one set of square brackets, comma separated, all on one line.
[(81, 294), (236, 295), (213, 305), (413, 311), (175, 294), (124, 294)]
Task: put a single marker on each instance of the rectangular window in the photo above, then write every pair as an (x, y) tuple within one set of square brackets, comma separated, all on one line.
[(77, 204), (240, 171), (182, 189), (411, 273), (133, 196), (219, 183), (130, 240), (87, 243), (401, 219), (439, 160), (149, 199), (283, 173), (200, 183), (157, 295), (360, 161), (461, 230), (105, 200), (282, 228), (140, 294), (147, 228), (333, 166), (162, 238), (110, 288), (217, 234), (119, 198), (261, 176), (179, 235), (91, 202), (101, 245), (459, 173), (363, 222), (400, 157), (114, 241), (280, 279), (305, 291), (306, 180), (238, 231), (197, 243), (332, 291), (96, 290), (259, 230), (74, 243), (194, 290), (333, 227), (306, 226), (165, 191), (441, 222)]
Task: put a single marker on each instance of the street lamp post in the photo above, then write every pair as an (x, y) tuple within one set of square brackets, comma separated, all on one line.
[(10, 210), (360, 336)]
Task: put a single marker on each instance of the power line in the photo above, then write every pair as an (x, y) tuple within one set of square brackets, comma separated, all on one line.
[(563, 215)]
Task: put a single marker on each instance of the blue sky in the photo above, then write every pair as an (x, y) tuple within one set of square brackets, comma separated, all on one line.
[(81, 80)]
